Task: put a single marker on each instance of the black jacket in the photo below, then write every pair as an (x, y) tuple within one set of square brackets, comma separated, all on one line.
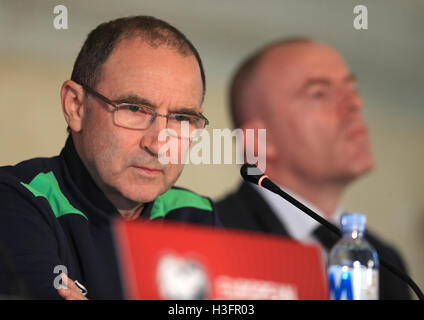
[(246, 210), (52, 215)]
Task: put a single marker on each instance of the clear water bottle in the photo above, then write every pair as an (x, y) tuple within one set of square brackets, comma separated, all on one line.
[(353, 262)]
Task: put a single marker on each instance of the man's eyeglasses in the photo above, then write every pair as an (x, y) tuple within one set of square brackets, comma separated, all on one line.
[(137, 116)]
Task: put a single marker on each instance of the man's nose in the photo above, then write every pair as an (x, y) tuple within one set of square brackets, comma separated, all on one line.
[(350, 104), (150, 140)]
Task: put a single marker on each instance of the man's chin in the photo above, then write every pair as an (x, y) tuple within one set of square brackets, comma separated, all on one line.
[(361, 168)]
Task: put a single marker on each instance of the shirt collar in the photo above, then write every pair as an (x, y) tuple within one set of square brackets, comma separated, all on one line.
[(298, 224)]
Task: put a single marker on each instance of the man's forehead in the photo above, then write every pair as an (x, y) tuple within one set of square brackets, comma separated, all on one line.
[(136, 67), (302, 60), (132, 53), (299, 51)]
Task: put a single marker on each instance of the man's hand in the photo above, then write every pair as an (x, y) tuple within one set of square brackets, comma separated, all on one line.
[(70, 291)]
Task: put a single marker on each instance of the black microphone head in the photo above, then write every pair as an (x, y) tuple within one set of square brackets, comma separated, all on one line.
[(251, 173)]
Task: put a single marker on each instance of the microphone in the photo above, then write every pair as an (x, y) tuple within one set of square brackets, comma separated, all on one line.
[(251, 173)]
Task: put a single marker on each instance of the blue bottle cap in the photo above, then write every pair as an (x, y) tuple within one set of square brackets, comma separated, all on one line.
[(353, 222)]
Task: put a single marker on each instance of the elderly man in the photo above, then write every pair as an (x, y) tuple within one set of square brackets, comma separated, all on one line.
[(133, 78), (317, 144)]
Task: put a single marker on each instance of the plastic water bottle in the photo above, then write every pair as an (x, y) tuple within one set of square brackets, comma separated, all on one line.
[(353, 262)]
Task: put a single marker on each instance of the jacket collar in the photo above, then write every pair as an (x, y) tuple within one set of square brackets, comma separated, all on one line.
[(261, 211)]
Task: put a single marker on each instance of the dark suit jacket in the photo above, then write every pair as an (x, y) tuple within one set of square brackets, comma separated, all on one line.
[(246, 210)]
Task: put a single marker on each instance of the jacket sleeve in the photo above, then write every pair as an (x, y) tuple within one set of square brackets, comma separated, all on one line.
[(30, 252)]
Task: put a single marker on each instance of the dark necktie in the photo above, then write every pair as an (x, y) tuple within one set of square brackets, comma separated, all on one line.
[(326, 237)]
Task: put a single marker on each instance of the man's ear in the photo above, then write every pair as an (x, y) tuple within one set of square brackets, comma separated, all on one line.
[(73, 96), (271, 151)]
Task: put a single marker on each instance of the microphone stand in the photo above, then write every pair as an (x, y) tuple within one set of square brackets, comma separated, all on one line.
[(251, 173)]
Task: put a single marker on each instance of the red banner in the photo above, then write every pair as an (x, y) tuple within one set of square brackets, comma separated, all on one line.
[(173, 261)]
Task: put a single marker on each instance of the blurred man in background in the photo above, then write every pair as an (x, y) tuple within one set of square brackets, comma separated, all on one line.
[(317, 144)]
